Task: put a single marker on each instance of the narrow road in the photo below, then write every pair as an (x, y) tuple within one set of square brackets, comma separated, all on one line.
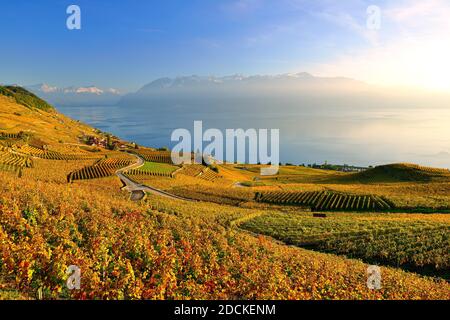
[(138, 190)]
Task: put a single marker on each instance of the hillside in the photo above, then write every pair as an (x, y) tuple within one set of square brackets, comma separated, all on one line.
[(399, 172), (22, 111), (65, 206), (25, 98)]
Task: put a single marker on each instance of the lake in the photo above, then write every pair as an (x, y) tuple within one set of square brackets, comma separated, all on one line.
[(362, 137)]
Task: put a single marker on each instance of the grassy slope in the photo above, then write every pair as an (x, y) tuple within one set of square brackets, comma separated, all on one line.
[(158, 167), (25, 98), (286, 174), (48, 126), (392, 173), (399, 172)]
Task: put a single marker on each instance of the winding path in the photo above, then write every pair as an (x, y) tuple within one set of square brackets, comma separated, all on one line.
[(138, 190)]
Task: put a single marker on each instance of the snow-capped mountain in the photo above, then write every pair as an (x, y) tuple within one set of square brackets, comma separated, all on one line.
[(282, 81), (47, 89), (238, 88), (76, 96)]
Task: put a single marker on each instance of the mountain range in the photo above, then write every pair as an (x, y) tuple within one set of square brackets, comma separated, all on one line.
[(214, 93), (76, 96), (287, 81), (198, 90), (203, 93)]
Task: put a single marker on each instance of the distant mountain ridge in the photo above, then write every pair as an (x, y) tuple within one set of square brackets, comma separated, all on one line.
[(300, 78), (76, 96), (200, 93), (198, 90)]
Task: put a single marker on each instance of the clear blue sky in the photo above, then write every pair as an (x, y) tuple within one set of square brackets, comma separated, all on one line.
[(125, 44)]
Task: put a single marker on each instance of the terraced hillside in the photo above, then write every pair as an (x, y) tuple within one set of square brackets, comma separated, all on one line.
[(326, 200), (200, 171), (11, 158), (53, 155), (10, 135), (192, 170), (101, 169), (154, 156), (210, 175), (10, 168)]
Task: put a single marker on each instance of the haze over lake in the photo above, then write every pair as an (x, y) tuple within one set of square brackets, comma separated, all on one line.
[(354, 136)]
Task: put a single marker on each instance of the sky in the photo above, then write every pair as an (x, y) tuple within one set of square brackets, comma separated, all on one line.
[(126, 44)]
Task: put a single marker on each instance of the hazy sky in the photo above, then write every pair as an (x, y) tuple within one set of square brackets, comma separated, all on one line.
[(125, 44)]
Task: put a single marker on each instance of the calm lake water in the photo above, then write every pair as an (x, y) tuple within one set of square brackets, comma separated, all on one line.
[(309, 135)]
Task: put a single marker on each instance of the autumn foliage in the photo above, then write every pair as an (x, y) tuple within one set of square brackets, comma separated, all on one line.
[(162, 249)]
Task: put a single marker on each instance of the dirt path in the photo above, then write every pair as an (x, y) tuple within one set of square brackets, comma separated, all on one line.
[(138, 190)]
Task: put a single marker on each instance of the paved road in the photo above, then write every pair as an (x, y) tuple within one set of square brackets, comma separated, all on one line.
[(138, 190)]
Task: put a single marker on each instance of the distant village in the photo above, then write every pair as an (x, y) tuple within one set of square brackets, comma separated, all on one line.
[(107, 141), (338, 167)]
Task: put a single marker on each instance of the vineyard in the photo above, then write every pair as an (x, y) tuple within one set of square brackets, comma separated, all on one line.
[(200, 171), (326, 200), (210, 175), (10, 143), (13, 159), (154, 156), (53, 155), (142, 174), (417, 243), (154, 169), (224, 246), (419, 249), (102, 168), (163, 249), (220, 195), (192, 170), (51, 171), (4, 135), (10, 168)]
